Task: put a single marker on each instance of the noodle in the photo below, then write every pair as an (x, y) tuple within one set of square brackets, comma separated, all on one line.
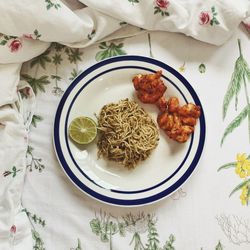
[(127, 133)]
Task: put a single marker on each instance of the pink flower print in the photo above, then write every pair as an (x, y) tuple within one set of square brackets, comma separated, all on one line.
[(26, 91), (162, 3), (13, 229), (161, 7), (204, 17), (247, 25), (15, 45), (28, 36)]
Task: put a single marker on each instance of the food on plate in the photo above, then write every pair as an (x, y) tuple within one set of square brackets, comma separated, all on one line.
[(177, 121), (127, 134), (162, 103), (150, 88), (83, 130)]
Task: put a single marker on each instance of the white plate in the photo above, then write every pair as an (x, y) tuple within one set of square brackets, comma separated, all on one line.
[(169, 165)]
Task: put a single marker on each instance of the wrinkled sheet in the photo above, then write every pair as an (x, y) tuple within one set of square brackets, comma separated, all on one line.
[(26, 35)]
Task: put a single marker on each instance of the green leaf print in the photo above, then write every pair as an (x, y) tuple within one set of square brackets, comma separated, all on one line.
[(104, 237), (238, 187), (161, 7), (57, 59), (33, 162), (12, 172), (227, 165), (55, 77), (79, 247), (234, 85), (50, 5), (153, 241), (136, 240), (74, 55), (41, 60), (36, 119), (37, 84), (214, 20), (235, 123), (38, 244), (169, 243), (239, 77), (242, 169), (58, 47), (231, 164), (4, 39), (92, 34), (121, 229), (3, 42), (133, 1), (106, 226), (219, 246), (109, 50), (238, 81), (36, 34), (95, 225), (74, 74), (202, 68), (35, 218), (38, 220), (160, 11)]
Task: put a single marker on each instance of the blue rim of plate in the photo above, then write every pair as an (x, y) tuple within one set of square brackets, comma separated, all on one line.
[(130, 202)]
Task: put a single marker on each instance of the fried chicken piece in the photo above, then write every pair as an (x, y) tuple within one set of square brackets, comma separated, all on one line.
[(162, 104), (173, 126), (165, 121), (181, 138), (191, 121), (190, 110), (173, 104), (150, 88), (178, 122)]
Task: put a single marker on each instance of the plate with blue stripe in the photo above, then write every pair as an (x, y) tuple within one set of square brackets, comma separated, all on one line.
[(168, 166)]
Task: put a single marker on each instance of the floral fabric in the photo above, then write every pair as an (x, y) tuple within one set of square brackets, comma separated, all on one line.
[(41, 53)]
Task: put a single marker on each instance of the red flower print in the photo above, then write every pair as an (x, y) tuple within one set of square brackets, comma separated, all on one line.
[(162, 3), (15, 45), (204, 17), (13, 229)]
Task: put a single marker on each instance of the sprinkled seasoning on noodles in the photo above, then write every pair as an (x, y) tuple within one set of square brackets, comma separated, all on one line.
[(127, 133)]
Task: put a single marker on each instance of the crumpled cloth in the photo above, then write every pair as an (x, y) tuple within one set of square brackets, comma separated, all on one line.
[(28, 28)]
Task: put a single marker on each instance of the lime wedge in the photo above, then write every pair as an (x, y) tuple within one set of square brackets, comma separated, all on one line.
[(83, 130)]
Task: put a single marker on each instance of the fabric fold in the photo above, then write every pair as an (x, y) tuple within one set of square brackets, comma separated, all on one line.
[(28, 29), (208, 21)]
